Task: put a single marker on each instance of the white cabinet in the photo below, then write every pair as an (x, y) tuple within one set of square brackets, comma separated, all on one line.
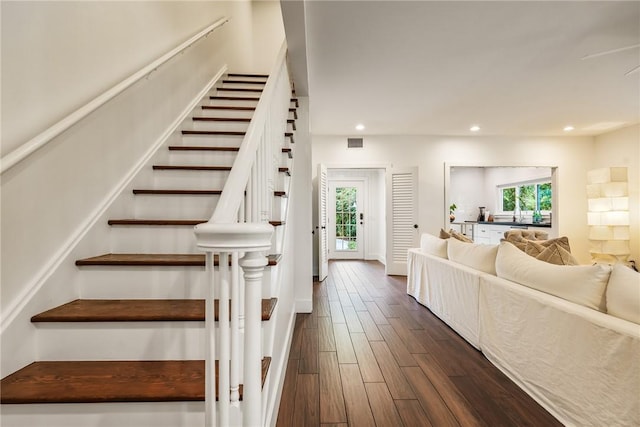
[(490, 234)]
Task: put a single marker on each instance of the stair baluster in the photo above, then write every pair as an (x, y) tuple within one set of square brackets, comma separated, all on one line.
[(240, 225)]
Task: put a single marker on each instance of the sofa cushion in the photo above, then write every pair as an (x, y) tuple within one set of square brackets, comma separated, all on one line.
[(433, 245), (526, 234), (459, 236), (623, 293), (582, 284), (480, 257)]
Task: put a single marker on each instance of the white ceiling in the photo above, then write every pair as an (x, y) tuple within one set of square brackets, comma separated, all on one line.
[(437, 67)]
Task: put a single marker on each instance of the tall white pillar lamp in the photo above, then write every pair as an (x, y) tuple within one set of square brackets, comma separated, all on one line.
[(608, 214)]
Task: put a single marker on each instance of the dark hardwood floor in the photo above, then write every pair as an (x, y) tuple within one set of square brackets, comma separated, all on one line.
[(370, 355)]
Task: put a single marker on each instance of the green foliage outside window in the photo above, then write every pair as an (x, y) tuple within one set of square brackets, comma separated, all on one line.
[(346, 216), (529, 197), (544, 196), (509, 199)]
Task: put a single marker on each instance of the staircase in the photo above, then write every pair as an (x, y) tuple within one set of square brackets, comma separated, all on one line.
[(136, 333)]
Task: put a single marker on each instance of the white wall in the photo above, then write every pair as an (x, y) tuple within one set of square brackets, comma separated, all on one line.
[(301, 211), (622, 148), (268, 33), (572, 155), (56, 56)]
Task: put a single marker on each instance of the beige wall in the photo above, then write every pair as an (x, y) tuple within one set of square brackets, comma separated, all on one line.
[(573, 157), (622, 148)]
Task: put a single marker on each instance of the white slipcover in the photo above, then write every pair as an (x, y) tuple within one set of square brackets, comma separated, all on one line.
[(580, 364), (448, 289)]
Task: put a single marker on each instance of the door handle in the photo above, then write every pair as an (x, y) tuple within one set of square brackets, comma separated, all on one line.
[(415, 225)]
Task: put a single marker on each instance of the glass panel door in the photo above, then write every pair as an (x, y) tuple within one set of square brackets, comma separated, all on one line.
[(347, 219)]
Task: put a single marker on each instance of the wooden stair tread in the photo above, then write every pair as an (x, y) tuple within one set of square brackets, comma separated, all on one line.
[(288, 152), (229, 107), (221, 119), (263, 76), (234, 98), (191, 168), (109, 381), (177, 192), (214, 132), (137, 310), (168, 260), (244, 82), (280, 193), (239, 89), (186, 222), (284, 170), (168, 222), (201, 148), (290, 136)]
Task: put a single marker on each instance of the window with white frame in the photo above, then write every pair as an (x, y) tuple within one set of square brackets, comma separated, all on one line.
[(525, 197)]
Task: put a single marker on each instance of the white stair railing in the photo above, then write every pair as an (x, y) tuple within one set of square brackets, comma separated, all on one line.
[(239, 234)]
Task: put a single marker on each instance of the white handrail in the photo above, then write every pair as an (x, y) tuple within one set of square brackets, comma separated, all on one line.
[(40, 140), (233, 191)]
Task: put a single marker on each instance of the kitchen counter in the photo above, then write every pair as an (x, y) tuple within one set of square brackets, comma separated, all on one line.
[(517, 224)]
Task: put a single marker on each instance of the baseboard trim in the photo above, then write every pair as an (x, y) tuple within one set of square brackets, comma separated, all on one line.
[(304, 305), (271, 417), (56, 260)]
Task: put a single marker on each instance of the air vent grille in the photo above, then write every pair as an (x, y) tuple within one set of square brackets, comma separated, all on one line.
[(354, 143)]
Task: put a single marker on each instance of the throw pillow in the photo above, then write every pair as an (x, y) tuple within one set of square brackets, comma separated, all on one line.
[(433, 245), (444, 234), (554, 251), (623, 293), (556, 254), (527, 234), (480, 257), (517, 240), (582, 284), (460, 236)]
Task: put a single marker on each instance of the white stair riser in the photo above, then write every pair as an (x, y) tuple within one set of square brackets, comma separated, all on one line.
[(139, 414), (189, 179), (247, 114), (212, 140), (175, 206), (279, 208), (124, 340), (217, 125), (150, 239), (133, 282), (232, 102), (235, 85), (202, 158)]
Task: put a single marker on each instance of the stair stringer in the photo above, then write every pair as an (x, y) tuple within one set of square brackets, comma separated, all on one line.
[(281, 286), (57, 280)]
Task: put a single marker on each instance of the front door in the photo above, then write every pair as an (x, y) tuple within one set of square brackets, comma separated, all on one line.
[(346, 220)]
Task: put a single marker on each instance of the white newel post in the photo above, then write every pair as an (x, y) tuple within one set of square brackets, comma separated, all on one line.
[(253, 264), (224, 238)]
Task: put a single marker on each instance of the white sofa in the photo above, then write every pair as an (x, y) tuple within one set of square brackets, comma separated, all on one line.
[(579, 362)]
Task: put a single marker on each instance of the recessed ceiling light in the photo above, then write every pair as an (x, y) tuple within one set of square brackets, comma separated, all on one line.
[(360, 126), (474, 128), (568, 128)]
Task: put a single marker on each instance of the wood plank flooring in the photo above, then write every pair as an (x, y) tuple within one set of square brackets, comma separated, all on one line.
[(370, 355)]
